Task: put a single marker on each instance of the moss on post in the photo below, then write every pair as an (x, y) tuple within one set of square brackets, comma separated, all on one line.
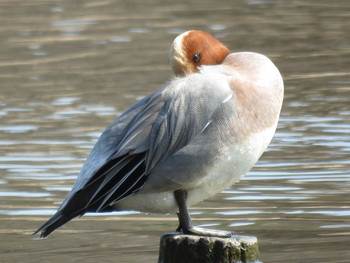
[(181, 248)]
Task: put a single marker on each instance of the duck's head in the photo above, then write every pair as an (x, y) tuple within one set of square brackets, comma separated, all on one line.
[(194, 48)]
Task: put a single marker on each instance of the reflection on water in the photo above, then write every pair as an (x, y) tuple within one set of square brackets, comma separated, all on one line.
[(71, 67)]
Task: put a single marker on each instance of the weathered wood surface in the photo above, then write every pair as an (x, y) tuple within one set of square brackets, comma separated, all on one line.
[(181, 248)]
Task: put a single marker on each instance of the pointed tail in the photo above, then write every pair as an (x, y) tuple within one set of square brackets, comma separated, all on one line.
[(53, 223)]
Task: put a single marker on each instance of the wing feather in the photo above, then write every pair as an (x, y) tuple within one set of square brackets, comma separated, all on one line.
[(152, 130), (107, 178), (128, 185)]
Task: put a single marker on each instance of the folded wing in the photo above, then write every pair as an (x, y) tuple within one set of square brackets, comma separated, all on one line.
[(138, 141)]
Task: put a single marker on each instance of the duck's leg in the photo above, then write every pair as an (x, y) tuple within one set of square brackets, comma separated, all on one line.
[(186, 222)]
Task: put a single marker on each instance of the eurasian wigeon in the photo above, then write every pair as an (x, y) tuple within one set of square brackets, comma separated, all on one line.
[(197, 135)]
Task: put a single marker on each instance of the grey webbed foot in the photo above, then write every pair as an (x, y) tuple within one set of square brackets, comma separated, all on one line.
[(199, 231), (185, 221)]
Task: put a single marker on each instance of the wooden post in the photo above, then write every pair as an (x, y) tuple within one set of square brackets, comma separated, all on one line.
[(181, 248)]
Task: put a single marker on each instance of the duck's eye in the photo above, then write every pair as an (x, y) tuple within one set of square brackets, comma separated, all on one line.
[(196, 57)]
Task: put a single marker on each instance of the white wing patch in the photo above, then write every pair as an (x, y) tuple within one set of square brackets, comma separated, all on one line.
[(206, 125), (228, 98)]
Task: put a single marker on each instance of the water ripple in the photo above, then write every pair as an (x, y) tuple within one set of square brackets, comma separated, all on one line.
[(18, 128), (23, 194)]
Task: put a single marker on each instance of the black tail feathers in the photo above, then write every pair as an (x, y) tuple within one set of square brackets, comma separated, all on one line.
[(53, 223)]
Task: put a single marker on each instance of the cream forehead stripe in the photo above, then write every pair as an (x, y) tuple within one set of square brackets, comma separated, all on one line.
[(176, 52)]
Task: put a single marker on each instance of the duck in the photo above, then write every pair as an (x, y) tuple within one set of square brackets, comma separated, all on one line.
[(194, 137)]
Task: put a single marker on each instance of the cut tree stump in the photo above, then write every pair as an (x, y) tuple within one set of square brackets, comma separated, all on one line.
[(181, 248)]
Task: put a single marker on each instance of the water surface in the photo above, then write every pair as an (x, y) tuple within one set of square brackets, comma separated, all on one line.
[(68, 68)]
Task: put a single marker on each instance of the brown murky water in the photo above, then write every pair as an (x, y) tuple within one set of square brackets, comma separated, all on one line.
[(67, 68)]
